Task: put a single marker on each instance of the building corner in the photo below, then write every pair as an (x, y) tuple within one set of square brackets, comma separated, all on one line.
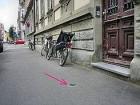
[(135, 64)]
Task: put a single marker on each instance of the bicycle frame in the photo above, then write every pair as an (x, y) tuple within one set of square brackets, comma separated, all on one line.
[(31, 45), (61, 47)]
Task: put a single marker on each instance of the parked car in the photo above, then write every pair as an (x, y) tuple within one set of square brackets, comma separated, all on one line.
[(1, 46), (19, 41)]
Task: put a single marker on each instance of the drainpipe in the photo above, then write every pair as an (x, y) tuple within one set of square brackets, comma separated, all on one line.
[(34, 20)]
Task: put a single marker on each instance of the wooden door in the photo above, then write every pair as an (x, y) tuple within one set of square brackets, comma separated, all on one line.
[(118, 33)]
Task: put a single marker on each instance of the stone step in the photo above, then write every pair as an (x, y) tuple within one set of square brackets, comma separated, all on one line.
[(113, 68)]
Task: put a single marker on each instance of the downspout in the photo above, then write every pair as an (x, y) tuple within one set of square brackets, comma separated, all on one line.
[(34, 20)]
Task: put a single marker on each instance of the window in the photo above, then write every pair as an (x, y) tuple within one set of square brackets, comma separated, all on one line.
[(42, 7), (46, 21), (128, 4), (39, 26), (42, 40), (22, 13), (50, 4), (36, 40), (112, 7), (37, 11), (46, 6), (66, 7)]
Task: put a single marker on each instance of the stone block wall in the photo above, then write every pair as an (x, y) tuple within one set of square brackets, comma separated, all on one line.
[(82, 43), (84, 40), (135, 64)]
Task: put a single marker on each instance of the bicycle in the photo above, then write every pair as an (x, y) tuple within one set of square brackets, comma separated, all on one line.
[(52, 52), (46, 46), (61, 47), (31, 45)]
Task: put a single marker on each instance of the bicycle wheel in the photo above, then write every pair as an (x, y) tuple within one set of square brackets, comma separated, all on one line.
[(29, 45), (47, 52), (63, 56), (32, 47), (43, 51), (50, 54)]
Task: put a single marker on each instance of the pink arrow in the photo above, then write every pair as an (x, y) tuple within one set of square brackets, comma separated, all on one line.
[(61, 81)]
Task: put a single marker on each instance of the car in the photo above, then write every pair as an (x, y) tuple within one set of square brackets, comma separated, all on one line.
[(19, 41), (1, 46)]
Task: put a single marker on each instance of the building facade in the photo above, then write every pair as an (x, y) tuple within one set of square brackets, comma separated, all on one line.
[(7, 38), (20, 24), (105, 30), (26, 19), (2, 31), (20, 20), (135, 63)]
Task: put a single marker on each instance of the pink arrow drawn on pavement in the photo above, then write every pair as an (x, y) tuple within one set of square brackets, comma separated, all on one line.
[(61, 81)]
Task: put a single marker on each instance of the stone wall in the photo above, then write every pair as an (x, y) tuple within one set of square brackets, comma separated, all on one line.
[(135, 64), (80, 18), (82, 43)]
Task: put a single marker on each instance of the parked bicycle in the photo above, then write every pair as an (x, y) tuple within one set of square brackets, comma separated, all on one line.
[(31, 45), (46, 46), (61, 47), (52, 50)]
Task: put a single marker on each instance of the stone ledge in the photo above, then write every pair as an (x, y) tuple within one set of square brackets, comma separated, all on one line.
[(113, 68)]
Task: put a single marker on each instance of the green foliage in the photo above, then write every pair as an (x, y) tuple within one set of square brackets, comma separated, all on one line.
[(137, 2), (11, 31)]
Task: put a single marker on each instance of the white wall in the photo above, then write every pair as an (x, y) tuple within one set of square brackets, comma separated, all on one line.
[(46, 21), (56, 2), (80, 3), (57, 14)]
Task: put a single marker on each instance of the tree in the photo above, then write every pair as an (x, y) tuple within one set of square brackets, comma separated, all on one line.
[(12, 32)]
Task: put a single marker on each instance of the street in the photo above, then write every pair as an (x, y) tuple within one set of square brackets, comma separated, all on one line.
[(26, 78)]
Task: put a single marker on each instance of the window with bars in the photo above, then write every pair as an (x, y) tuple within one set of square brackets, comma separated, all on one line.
[(128, 4), (112, 7)]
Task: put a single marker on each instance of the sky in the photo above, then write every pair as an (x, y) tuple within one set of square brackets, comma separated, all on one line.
[(8, 13)]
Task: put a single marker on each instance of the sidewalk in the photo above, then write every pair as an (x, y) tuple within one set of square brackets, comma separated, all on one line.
[(91, 87)]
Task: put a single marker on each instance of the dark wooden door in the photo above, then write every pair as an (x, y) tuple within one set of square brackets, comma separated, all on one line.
[(118, 33)]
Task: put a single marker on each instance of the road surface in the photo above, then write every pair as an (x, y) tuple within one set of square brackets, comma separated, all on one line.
[(23, 81)]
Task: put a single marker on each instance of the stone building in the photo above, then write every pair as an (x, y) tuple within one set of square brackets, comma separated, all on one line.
[(2, 31), (106, 31), (29, 17), (20, 20), (135, 63), (7, 37)]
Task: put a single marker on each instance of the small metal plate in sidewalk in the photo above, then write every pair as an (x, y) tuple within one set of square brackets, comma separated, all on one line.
[(72, 85)]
